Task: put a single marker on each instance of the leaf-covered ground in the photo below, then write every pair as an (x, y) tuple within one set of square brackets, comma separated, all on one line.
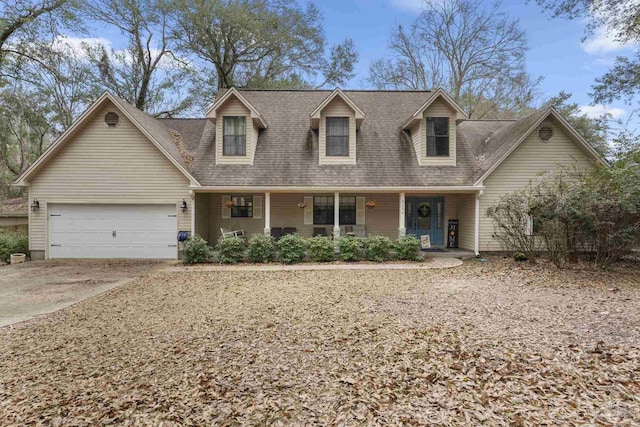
[(497, 343)]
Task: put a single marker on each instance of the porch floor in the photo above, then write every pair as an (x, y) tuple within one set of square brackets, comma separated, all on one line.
[(449, 253)]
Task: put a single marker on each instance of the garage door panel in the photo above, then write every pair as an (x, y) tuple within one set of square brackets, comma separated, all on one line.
[(112, 231)]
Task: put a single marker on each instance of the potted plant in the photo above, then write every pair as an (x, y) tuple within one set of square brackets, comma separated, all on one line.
[(371, 204)]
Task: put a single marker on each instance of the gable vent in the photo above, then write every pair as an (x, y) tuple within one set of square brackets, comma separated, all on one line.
[(545, 133), (111, 119)]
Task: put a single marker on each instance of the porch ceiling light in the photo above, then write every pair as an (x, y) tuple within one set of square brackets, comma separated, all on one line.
[(35, 205)]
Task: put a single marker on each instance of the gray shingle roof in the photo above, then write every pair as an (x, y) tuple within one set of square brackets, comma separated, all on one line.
[(287, 152)]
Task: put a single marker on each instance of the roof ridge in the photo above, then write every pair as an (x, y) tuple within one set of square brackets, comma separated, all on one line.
[(244, 89)]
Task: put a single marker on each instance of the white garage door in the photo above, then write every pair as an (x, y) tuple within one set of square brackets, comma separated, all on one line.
[(112, 231)]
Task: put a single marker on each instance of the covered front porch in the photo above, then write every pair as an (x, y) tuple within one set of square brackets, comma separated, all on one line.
[(309, 213)]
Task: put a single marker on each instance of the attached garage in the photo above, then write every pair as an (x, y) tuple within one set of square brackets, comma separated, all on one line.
[(112, 231)]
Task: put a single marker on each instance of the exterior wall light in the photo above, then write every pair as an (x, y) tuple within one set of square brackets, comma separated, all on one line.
[(35, 205), (183, 206)]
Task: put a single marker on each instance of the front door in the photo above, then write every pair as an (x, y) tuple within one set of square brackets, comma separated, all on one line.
[(425, 216)]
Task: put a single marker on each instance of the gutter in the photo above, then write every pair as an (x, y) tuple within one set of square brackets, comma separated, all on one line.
[(317, 189)]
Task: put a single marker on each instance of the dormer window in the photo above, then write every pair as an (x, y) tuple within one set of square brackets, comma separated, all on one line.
[(337, 136), (234, 141), (437, 137)]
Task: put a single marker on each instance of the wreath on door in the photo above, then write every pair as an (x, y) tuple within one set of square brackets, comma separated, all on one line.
[(424, 211)]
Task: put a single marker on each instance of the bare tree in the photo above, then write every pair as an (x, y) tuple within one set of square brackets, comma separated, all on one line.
[(25, 129), (147, 73), (260, 43), (473, 52), (20, 24)]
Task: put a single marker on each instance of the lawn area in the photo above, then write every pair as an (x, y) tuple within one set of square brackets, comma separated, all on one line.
[(497, 342)]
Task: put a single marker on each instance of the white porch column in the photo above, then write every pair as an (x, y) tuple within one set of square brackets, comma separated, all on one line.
[(336, 216), (402, 230), (476, 231), (267, 214), (193, 211)]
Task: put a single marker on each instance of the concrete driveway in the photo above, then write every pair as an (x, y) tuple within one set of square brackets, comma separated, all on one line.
[(39, 287)]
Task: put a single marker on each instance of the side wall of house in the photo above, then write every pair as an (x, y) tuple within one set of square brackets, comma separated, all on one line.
[(466, 204), (522, 166), (106, 165)]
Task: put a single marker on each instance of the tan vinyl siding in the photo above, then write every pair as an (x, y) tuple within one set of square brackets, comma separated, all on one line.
[(250, 226), (417, 140), (203, 219), (107, 165), (337, 108), (233, 107), (383, 219), (466, 205), (439, 108), (523, 165)]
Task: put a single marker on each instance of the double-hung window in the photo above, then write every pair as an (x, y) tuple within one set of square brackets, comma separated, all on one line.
[(323, 210), (234, 140), (437, 136), (242, 207), (337, 136)]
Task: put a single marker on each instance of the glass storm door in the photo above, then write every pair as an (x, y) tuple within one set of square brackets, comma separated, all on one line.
[(425, 216)]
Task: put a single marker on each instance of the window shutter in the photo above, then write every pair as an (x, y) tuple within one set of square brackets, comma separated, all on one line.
[(308, 210), (226, 212), (360, 208), (257, 207)]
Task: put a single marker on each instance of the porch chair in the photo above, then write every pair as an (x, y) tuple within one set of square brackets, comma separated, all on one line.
[(225, 232), (319, 231)]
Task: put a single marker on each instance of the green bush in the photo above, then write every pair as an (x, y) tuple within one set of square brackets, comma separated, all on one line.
[(520, 256), (351, 248), (377, 248), (13, 243), (196, 250), (408, 248), (292, 248), (261, 248), (321, 248), (231, 250)]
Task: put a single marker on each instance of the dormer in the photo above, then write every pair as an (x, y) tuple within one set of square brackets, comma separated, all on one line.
[(238, 124), (433, 130), (337, 119)]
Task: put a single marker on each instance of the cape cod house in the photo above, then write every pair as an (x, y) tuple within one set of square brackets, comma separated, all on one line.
[(122, 184)]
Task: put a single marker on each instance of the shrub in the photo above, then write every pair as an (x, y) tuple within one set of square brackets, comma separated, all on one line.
[(13, 243), (231, 250), (519, 256), (512, 220), (292, 248), (321, 248), (408, 248), (351, 248), (377, 248), (261, 248), (196, 250)]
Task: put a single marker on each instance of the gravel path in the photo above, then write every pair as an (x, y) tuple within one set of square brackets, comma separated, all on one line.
[(497, 343)]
